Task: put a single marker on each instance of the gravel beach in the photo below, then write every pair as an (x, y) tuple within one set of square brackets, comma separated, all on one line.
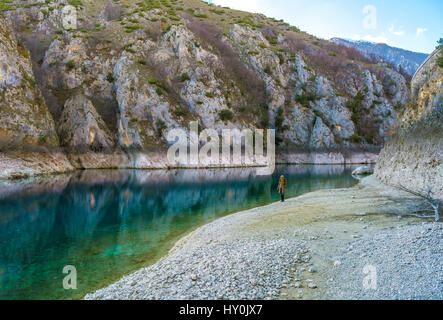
[(316, 246)]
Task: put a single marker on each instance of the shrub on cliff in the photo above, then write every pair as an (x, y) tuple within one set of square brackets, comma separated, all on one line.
[(355, 138), (280, 126), (355, 106), (226, 115), (440, 59)]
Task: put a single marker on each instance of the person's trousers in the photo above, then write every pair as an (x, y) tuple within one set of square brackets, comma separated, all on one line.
[(282, 197)]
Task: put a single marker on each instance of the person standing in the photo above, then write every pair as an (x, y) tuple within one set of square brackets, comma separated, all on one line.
[(282, 184)]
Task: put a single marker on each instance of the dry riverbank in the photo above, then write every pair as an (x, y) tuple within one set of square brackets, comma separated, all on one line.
[(17, 164), (314, 246)]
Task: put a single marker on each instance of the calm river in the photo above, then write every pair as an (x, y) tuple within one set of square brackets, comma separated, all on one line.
[(108, 223)]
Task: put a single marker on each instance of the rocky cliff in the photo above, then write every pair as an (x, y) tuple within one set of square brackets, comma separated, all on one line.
[(413, 157), (27, 130), (125, 72)]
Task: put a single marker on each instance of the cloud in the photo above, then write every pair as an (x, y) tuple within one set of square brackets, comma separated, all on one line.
[(420, 31), (396, 32), (377, 39)]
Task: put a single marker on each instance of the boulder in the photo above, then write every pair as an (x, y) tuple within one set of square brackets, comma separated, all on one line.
[(364, 170)]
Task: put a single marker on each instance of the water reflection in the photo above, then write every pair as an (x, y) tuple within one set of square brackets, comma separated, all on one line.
[(110, 222)]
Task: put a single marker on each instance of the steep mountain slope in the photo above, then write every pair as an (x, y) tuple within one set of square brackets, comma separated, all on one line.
[(26, 123), (408, 61), (25, 118), (139, 68), (413, 157)]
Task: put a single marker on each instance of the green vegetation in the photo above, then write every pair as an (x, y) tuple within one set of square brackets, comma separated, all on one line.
[(355, 106), (132, 28), (129, 49), (184, 77), (365, 127), (160, 127), (70, 65), (110, 77), (440, 59), (160, 86), (30, 80), (264, 116), (226, 115), (355, 138), (305, 98), (75, 3), (6, 5), (41, 138), (179, 112), (279, 126)]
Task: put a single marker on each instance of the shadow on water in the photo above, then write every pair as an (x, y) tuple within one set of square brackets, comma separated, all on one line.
[(109, 223)]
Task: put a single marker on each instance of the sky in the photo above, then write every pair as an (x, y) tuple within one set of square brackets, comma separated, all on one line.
[(414, 25)]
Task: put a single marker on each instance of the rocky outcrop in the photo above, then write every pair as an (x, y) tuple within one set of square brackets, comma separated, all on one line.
[(81, 128), (21, 164), (25, 119), (426, 90), (413, 157), (28, 138), (86, 138), (360, 171)]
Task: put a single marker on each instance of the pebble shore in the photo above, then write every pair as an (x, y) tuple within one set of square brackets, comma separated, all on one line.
[(311, 247)]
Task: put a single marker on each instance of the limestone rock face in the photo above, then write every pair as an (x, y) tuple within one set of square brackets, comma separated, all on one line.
[(117, 83), (413, 157), (25, 120), (27, 128), (427, 90), (81, 128), (322, 136)]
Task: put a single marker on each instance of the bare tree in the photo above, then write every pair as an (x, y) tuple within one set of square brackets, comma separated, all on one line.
[(435, 203)]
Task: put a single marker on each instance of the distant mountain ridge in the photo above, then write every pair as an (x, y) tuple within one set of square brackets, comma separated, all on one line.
[(409, 61)]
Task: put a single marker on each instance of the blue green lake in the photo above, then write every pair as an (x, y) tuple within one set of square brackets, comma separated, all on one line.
[(108, 223)]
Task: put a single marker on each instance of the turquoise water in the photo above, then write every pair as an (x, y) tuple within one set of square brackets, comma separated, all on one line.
[(109, 223)]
